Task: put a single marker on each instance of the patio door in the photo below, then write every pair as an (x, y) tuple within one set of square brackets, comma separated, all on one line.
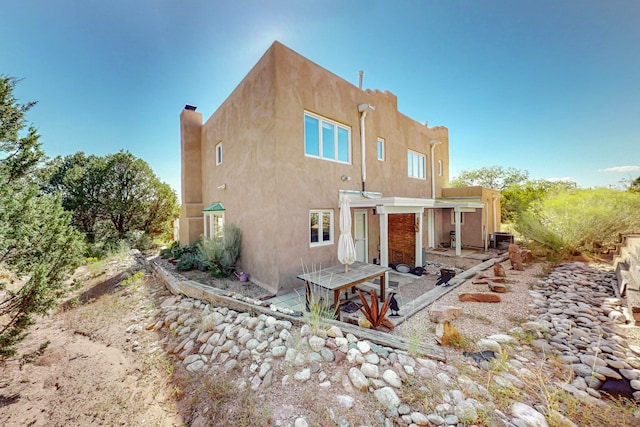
[(360, 232)]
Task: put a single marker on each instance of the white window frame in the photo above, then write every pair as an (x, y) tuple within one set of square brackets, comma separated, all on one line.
[(214, 225), (335, 141), (416, 165), (322, 213), (218, 153), (381, 146)]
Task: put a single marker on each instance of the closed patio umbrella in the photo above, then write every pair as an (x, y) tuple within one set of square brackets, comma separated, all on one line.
[(346, 248)]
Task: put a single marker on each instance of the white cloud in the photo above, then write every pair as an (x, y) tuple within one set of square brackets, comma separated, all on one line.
[(563, 179), (621, 169)]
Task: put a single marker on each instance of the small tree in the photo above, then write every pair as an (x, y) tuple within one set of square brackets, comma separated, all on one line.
[(517, 191), (37, 241), (494, 177), (114, 196), (518, 198)]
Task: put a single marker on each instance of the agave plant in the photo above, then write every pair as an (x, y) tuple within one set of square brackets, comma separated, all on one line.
[(377, 318)]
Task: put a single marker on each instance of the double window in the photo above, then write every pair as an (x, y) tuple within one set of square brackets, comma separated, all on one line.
[(326, 139), (416, 163), (321, 227)]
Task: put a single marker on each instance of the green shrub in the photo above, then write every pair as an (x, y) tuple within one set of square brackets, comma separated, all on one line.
[(574, 221), (187, 261), (140, 240), (172, 251), (133, 279), (222, 252), (537, 230)]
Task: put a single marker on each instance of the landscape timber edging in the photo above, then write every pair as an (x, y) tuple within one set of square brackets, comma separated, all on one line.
[(193, 289)]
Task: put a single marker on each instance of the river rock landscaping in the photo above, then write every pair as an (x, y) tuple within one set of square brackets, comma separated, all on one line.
[(127, 351), (568, 351)]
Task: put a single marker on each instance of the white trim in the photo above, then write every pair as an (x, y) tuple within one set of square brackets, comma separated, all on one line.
[(431, 228), (418, 255), (414, 201), (336, 147), (364, 214), (416, 160), (458, 230), (380, 148), (212, 228), (321, 213), (384, 240), (392, 201), (219, 153)]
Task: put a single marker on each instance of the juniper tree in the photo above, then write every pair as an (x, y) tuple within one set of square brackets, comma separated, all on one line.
[(112, 196), (37, 242)]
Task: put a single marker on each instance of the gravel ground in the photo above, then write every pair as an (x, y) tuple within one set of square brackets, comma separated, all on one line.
[(480, 319)]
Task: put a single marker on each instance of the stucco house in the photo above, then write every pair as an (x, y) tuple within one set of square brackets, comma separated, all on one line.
[(291, 139)]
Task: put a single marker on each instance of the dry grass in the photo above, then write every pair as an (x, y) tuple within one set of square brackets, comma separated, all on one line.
[(216, 400)]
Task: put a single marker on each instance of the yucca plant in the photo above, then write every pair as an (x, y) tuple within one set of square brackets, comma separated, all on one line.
[(222, 252), (375, 317)]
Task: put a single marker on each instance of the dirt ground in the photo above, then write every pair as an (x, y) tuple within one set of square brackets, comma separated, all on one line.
[(92, 371)]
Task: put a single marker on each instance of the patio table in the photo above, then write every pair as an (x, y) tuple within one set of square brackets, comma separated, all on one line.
[(336, 279)]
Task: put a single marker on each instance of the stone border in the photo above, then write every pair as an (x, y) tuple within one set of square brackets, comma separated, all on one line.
[(210, 294)]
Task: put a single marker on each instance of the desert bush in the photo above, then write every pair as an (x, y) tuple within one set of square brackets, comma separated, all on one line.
[(536, 230), (581, 220), (139, 239)]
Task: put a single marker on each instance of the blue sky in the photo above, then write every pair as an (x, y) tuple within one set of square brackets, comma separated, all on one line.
[(551, 87)]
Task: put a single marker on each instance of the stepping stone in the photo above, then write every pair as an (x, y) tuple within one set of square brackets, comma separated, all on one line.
[(479, 297), (501, 289)]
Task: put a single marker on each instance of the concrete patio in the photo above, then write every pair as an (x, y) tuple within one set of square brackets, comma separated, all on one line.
[(413, 293)]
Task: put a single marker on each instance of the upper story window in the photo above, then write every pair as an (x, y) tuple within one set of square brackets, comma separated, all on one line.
[(326, 139), (439, 167), (381, 149), (321, 227), (416, 164), (219, 153)]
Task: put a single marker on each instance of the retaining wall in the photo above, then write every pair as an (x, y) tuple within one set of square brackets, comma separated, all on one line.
[(627, 266)]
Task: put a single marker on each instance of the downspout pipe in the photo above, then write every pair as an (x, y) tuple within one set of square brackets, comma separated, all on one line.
[(433, 144), (363, 108)]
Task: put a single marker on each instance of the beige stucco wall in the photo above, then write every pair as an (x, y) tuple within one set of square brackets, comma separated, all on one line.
[(244, 126), (314, 183), (479, 224), (271, 185), (191, 225)]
